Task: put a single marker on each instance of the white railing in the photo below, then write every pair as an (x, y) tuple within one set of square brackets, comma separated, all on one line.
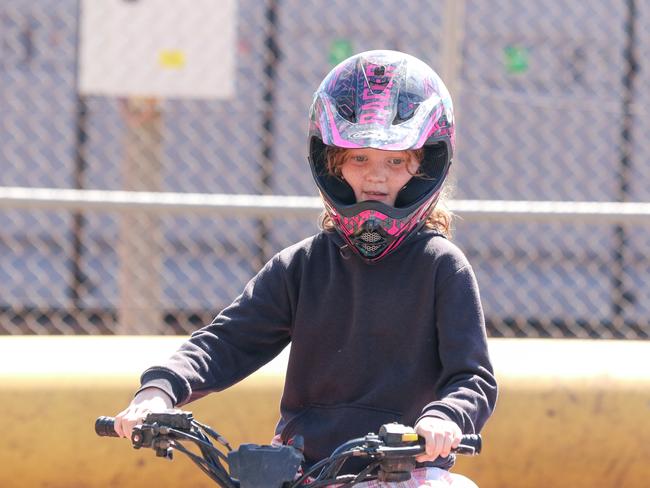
[(270, 205)]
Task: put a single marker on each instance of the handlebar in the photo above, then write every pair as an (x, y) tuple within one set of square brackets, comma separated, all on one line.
[(104, 427), (390, 453)]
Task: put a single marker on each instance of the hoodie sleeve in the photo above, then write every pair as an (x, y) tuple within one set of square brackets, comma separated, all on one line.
[(466, 392), (244, 336)]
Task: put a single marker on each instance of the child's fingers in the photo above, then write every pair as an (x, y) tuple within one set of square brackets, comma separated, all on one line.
[(125, 421), (146, 401), (433, 447), (447, 442), (117, 424)]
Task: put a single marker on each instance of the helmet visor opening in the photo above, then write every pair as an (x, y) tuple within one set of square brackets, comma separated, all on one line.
[(431, 173)]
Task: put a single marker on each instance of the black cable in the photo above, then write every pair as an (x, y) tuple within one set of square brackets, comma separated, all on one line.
[(199, 442), (214, 460), (362, 476), (345, 478), (359, 441), (214, 434), (219, 475), (311, 470), (333, 469), (319, 465), (209, 453), (214, 466)]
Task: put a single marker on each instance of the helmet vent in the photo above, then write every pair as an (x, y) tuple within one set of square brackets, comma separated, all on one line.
[(370, 237), (370, 243), (371, 249)]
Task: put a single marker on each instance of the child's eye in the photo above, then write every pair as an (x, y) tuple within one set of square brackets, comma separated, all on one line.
[(358, 158), (395, 161)]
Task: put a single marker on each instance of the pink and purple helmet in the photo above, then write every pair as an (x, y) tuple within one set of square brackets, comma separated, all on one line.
[(383, 100)]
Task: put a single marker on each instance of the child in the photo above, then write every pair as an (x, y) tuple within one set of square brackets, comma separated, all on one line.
[(382, 310)]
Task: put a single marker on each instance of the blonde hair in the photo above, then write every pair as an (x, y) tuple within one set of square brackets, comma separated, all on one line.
[(439, 218)]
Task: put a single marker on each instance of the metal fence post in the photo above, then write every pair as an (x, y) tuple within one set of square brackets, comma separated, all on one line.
[(620, 295)]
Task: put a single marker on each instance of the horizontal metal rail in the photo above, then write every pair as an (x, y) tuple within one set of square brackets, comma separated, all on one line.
[(303, 206)]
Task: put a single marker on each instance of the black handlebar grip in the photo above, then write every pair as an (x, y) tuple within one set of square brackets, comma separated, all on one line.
[(471, 445), (104, 427)]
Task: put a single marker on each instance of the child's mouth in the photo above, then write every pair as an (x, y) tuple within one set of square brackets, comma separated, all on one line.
[(374, 195)]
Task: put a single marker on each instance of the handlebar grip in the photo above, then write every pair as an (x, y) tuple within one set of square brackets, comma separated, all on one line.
[(470, 444), (104, 427)]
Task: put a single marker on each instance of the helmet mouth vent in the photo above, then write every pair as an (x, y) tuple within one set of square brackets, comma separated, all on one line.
[(370, 237), (371, 250), (370, 243)]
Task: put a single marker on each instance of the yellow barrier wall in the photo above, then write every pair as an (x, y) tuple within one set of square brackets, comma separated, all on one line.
[(570, 414)]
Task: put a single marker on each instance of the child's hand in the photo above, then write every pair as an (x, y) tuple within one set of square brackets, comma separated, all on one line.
[(147, 401), (440, 435)]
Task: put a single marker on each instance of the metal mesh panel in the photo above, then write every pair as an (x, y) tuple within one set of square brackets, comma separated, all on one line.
[(551, 102)]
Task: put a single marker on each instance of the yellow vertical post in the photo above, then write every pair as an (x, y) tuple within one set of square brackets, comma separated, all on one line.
[(452, 47), (140, 234)]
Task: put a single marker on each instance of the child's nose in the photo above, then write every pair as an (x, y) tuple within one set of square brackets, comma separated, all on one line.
[(376, 171)]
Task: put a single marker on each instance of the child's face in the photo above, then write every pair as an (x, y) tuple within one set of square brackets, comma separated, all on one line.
[(375, 174)]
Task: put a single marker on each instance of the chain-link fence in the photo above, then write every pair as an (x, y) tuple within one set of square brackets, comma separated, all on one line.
[(550, 105)]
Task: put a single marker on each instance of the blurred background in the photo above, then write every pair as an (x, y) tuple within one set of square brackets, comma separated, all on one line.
[(153, 157), (552, 106)]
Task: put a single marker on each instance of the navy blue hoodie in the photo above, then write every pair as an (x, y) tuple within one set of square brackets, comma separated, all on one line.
[(370, 343)]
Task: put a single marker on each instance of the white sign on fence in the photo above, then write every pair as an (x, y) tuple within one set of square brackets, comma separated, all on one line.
[(158, 48)]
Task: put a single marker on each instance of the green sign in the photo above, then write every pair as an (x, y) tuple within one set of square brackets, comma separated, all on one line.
[(340, 49), (516, 59)]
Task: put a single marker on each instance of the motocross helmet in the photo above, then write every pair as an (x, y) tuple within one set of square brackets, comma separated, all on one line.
[(384, 100)]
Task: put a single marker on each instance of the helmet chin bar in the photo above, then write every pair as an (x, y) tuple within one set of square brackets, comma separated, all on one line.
[(371, 239), (372, 230)]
